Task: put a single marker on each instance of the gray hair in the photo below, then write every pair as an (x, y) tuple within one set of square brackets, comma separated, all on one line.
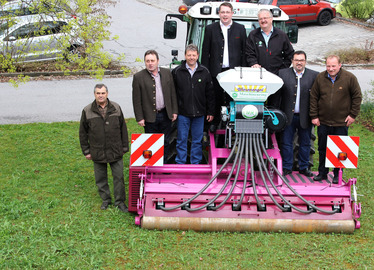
[(265, 10), (99, 86), (191, 47)]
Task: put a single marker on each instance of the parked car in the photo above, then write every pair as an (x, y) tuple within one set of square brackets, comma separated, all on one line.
[(37, 38), (305, 11), (31, 7)]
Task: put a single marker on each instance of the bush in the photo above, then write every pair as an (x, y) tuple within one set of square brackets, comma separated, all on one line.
[(360, 9)]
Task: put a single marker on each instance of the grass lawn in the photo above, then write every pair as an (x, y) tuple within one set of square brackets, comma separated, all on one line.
[(50, 218)]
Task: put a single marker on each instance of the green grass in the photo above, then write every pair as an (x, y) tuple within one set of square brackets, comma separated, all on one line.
[(51, 218)]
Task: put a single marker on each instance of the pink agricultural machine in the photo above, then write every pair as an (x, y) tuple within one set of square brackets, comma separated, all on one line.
[(242, 187)]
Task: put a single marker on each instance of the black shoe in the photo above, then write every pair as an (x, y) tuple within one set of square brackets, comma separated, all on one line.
[(123, 207), (213, 128), (306, 172), (286, 172), (320, 177), (335, 180), (104, 205)]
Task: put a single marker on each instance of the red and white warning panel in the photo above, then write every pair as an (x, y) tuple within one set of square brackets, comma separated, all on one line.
[(342, 151), (147, 150)]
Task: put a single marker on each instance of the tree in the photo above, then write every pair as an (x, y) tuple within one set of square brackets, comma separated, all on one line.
[(76, 29)]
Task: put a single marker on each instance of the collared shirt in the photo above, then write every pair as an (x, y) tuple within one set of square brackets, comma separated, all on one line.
[(225, 30), (160, 104), (297, 105), (103, 110), (332, 80), (267, 37), (190, 69)]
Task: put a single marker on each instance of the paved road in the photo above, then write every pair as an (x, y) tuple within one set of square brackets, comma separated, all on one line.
[(63, 100)]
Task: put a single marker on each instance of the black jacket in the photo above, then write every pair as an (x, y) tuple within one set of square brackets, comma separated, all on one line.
[(212, 52), (275, 56), (105, 139), (195, 94), (287, 93)]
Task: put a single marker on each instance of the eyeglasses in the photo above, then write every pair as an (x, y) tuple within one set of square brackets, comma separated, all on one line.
[(263, 18), (298, 60)]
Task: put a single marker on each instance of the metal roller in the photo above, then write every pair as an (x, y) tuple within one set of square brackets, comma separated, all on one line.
[(248, 225)]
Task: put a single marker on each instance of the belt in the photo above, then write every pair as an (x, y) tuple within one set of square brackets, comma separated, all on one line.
[(161, 110)]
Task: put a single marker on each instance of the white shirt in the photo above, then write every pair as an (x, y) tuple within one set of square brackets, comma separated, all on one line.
[(225, 29), (297, 105)]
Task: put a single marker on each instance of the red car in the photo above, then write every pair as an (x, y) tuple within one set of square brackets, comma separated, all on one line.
[(305, 11)]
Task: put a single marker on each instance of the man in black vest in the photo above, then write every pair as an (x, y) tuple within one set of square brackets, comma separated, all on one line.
[(294, 101)]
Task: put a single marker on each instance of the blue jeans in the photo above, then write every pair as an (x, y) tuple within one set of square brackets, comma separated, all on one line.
[(161, 125), (304, 144), (197, 127), (322, 132)]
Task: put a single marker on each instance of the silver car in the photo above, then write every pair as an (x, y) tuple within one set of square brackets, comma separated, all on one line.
[(37, 38)]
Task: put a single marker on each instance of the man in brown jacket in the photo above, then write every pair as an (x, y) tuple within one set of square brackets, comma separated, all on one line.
[(103, 138), (335, 101), (154, 98)]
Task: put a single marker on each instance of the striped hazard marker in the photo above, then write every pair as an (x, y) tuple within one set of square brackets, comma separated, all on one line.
[(342, 151), (147, 150)]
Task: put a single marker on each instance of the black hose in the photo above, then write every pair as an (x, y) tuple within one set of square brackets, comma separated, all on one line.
[(237, 207), (207, 185), (291, 188), (240, 151), (259, 205), (261, 164), (276, 189)]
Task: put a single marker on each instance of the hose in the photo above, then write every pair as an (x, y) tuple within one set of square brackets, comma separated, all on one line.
[(224, 186), (206, 186), (291, 188)]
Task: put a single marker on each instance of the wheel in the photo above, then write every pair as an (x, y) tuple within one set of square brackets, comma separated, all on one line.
[(73, 50), (324, 18)]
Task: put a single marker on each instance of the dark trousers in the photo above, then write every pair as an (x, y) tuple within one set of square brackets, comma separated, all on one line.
[(304, 144), (323, 131), (221, 99), (101, 178), (161, 125)]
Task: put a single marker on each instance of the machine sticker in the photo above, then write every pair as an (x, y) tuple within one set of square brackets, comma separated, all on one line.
[(250, 112), (251, 88)]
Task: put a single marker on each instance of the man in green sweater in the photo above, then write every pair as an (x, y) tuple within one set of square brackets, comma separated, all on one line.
[(335, 101)]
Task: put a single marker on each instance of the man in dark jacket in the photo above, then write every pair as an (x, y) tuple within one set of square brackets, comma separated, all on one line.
[(103, 138), (267, 46), (195, 95), (154, 98), (335, 101), (223, 49), (294, 102)]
